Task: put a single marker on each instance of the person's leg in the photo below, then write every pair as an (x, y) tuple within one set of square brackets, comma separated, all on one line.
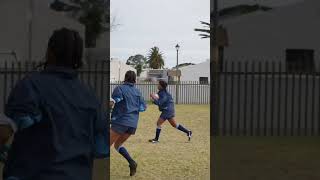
[(158, 130), (180, 127), (113, 136), (118, 145)]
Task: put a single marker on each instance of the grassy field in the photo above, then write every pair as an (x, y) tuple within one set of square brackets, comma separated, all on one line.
[(266, 158), (174, 157)]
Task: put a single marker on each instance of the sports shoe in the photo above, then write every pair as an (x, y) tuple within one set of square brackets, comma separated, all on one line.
[(189, 135), (153, 141), (133, 168)]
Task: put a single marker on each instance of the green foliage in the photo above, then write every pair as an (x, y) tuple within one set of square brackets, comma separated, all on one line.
[(139, 62), (155, 58)]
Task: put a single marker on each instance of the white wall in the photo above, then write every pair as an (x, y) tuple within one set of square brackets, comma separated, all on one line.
[(15, 18), (118, 70), (194, 72), (269, 34)]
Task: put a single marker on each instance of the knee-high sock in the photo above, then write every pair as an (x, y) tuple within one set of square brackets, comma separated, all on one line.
[(181, 128), (158, 131), (123, 151)]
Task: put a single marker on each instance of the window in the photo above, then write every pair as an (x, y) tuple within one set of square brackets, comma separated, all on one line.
[(300, 60), (204, 80)]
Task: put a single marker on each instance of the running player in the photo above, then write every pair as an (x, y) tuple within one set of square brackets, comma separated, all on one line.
[(58, 124), (166, 106), (128, 102)]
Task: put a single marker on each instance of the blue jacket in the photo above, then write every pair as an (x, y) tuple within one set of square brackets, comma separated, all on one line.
[(129, 102), (165, 101), (61, 127)]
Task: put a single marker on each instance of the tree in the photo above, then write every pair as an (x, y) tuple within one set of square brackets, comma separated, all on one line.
[(231, 12), (139, 62), (155, 58), (93, 14)]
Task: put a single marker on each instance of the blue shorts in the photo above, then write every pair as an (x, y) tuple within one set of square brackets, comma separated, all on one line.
[(121, 129), (167, 115)]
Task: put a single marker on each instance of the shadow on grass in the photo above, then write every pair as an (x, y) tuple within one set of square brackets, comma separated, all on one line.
[(266, 158)]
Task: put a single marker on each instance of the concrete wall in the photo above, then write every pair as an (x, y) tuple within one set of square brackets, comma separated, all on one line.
[(17, 17), (118, 70), (194, 72), (268, 34)]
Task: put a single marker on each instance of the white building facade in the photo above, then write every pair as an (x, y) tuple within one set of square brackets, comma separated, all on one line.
[(268, 35), (118, 70), (197, 73), (26, 27)]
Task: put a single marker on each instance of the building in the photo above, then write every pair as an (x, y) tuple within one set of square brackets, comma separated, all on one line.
[(199, 72), (118, 70), (24, 37), (286, 33), (31, 24)]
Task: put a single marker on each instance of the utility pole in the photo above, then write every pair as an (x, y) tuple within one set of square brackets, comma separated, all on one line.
[(178, 75), (30, 24), (214, 68)]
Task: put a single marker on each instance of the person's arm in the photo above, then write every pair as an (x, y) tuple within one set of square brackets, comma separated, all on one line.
[(7, 129), (5, 133), (117, 95), (143, 104), (23, 105), (101, 133), (161, 100)]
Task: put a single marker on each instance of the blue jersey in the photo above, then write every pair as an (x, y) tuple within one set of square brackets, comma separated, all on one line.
[(165, 101), (61, 127), (129, 102)]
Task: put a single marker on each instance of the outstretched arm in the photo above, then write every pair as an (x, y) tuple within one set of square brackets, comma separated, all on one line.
[(143, 105), (160, 101)]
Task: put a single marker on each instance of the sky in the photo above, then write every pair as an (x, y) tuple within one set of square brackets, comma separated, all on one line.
[(143, 24)]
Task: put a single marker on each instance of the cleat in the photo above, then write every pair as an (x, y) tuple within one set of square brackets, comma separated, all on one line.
[(133, 168), (189, 135), (153, 141)]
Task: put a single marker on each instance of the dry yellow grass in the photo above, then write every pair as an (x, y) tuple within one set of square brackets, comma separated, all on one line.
[(174, 157)]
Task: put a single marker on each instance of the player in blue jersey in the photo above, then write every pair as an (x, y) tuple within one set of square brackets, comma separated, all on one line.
[(165, 103), (58, 123), (128, 103)]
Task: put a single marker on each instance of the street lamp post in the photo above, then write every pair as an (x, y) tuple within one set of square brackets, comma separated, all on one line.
[(30, 24), (214, 62), (178, 75)]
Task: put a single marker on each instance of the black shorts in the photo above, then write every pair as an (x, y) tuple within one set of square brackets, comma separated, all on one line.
[(121, 129)]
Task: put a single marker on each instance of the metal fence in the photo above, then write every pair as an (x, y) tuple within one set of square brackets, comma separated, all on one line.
[(95, 74), (186, 92), (264, 99)]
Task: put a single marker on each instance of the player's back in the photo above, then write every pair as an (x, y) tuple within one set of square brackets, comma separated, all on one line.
[(60, 144), (126, 111)]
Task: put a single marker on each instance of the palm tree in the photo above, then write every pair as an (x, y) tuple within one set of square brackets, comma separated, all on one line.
[(231, 12), (155, 58)]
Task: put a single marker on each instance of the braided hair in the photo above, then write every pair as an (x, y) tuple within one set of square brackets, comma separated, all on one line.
[(66, 47)]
